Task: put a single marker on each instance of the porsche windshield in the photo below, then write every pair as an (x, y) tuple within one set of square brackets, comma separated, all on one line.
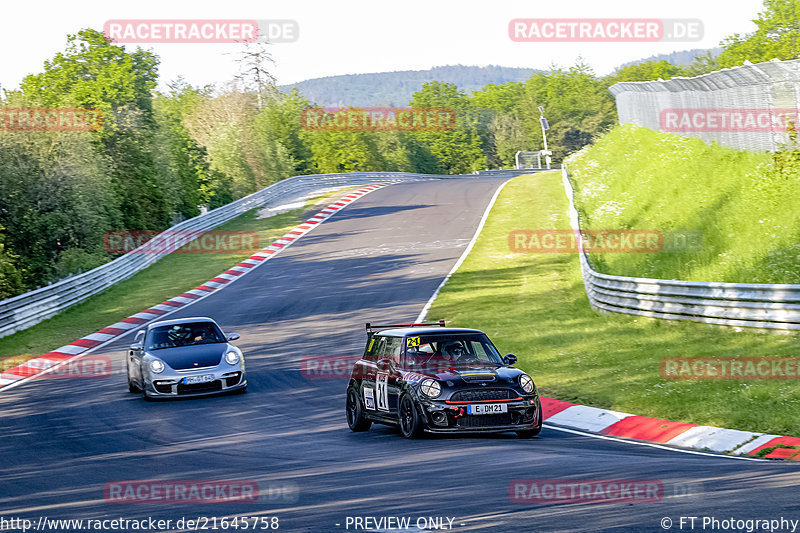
[(183, 335), (445, 351)]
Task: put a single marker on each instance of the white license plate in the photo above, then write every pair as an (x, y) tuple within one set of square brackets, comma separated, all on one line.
[(487, 408), (191, 380)]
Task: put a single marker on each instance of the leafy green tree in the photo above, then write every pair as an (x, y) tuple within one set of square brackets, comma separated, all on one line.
[(505, 133), (95, 73), (281, 120), (345, 151), (777, 35), (577, 104), (458, 150), (10, 278), (647, 71), (193, 180)]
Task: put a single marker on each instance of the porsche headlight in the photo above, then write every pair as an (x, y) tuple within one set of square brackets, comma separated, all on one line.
[(526, 383), (156, 366), (232, 357), (430, 388)]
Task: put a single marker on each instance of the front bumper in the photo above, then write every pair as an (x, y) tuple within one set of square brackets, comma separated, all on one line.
[(170, 383), (443, 417)]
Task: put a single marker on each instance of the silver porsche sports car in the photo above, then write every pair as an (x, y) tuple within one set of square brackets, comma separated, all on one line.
[(184, 357)]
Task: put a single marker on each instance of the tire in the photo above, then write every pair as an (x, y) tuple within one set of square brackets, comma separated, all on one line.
[(355, 412), (132, 387), (144, 394), (410, 421), (530, 433)]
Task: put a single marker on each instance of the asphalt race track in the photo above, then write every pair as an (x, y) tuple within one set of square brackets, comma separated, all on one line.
[(377, 260)]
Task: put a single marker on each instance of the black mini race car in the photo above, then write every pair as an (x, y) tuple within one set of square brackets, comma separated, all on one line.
[(431, 378)]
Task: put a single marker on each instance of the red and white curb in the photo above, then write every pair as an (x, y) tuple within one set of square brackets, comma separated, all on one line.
[(656, 430), (32, 368)]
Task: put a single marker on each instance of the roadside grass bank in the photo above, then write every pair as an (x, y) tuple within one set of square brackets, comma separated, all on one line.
[(740, 209), (168, 277), (534, 305)]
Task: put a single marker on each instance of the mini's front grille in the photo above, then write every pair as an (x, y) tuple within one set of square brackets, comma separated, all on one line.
[(485, 421), (211, 386), (483, 395)]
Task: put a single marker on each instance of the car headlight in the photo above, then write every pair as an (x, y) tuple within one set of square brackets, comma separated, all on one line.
[(232, 358), (430, 388), (526, 383), (156, 366)]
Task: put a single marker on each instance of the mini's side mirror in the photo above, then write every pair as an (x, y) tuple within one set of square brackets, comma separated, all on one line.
[(136, 346), (233, 336), (510, 359), (384, 365)]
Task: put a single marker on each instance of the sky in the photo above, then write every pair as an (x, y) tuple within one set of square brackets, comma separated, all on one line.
[(353, 36)]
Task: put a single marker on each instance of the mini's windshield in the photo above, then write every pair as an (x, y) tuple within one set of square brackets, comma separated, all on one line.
[(183, 335), (450, 351)]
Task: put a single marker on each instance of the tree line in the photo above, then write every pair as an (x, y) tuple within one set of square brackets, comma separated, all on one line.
[(159, 156)]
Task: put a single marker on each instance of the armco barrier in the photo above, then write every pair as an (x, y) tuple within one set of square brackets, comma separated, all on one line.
[(733, 304), (27, 309)]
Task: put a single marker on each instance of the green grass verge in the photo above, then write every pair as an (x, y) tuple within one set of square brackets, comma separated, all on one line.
[(745, 211), (169, 277), (535, 306)]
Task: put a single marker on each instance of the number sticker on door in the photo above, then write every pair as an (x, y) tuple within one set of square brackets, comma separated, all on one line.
[(382, 386)]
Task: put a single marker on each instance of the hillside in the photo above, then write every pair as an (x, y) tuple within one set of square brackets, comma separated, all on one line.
[(681, 58), (743, 211), (395, 88)]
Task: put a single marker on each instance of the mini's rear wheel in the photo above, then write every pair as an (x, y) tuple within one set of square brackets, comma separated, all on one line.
[(355, 413), (410, 422)]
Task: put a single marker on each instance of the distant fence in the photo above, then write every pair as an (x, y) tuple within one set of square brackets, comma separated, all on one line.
[(758, 305), (27, 309), (743, 107)]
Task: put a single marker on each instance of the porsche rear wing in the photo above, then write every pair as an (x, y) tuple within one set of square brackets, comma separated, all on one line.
[(373, 328)]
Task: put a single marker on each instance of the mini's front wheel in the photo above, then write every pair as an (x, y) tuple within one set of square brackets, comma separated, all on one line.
[(355, 414), (410, 422)]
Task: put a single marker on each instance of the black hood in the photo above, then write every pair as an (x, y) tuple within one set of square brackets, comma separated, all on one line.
[(196, 356), (476, 374)]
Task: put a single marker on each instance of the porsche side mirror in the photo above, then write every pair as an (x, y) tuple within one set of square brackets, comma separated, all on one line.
[(233, 336), (510, 359)]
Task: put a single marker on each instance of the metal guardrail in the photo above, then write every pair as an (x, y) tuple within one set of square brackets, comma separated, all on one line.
[(27, 309), (759, 305)]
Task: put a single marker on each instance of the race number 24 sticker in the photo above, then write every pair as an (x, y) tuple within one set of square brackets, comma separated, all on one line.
[(412, 341)]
